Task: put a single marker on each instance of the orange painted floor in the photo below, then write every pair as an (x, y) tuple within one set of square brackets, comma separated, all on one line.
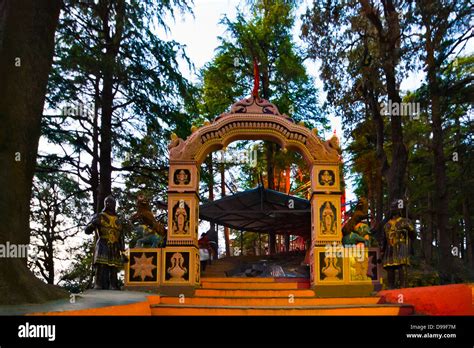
[(256, 296), (455, 299), (244, 297)]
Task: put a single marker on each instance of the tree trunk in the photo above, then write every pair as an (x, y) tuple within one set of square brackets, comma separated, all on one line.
[(396, 173), (439, 161), (105, 178), (49, 260), (378, 196), (271, 185), (213, 232), (427, 235), (210, 187), (94, 179), (382, 163), (468, 232), (112, 45), (270, 165), (270, 147), (389, 47), (441, 192), (226, 229), (27, 30), (287, 242), (272, 243)]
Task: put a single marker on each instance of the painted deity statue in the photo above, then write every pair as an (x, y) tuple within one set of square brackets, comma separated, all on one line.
[(326, 179), (327, 219), (109, 245), (356, 231), (181, 224), (398, 235), (182, 178), (152, 231)]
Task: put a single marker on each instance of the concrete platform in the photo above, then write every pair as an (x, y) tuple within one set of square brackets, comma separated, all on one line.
[(87, 300)]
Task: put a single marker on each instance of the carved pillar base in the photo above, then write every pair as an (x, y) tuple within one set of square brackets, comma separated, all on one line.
[(143, 269), (346, 271), (180, 266)]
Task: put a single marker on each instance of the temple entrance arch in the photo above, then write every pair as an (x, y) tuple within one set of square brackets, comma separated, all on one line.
[(249, 119)]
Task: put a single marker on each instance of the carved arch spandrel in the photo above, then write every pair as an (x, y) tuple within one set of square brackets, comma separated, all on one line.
[(232, 127)]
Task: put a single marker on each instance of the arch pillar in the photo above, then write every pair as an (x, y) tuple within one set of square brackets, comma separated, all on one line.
[(326, 227), (180, 257)]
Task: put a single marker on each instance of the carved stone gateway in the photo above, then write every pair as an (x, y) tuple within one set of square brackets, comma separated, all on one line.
[(250, 119)]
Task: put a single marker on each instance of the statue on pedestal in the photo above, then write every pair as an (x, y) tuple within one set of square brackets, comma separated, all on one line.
[(356, 231), (109, 245), (152, 231), (398, 235)]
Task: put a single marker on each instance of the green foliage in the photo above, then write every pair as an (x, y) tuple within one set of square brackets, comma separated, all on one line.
[(253, 243), (57, 213), (346, 39), (150, 94), (111, 55), (264, 34), (78, 276)]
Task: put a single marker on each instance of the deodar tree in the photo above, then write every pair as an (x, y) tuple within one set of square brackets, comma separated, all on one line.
[(27, 30), (262, 34)]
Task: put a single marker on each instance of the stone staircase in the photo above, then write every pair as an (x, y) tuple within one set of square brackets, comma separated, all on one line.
[(220, 268), (268, 296)]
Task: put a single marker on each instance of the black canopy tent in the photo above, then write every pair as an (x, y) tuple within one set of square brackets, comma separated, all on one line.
[(260, 210)]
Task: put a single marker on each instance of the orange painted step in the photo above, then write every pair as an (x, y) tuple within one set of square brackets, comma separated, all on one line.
[(191, 310), (267, 301), (236, 280), (254, 293), (254, 285), (253, 280)]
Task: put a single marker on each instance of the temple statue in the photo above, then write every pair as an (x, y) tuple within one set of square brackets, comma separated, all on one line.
[(182, 178), (355, 230), (328, 220), (398, 235), (326, 179), (181, 223), (153, 232), (109, 246)]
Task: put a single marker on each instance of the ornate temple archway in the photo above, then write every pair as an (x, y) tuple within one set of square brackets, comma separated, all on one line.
[(248, 119)]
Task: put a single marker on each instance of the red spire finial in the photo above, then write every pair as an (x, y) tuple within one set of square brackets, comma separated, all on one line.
[(256, 79)]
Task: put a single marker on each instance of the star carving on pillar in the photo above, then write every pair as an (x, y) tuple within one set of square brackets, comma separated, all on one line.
[(143, 267)]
